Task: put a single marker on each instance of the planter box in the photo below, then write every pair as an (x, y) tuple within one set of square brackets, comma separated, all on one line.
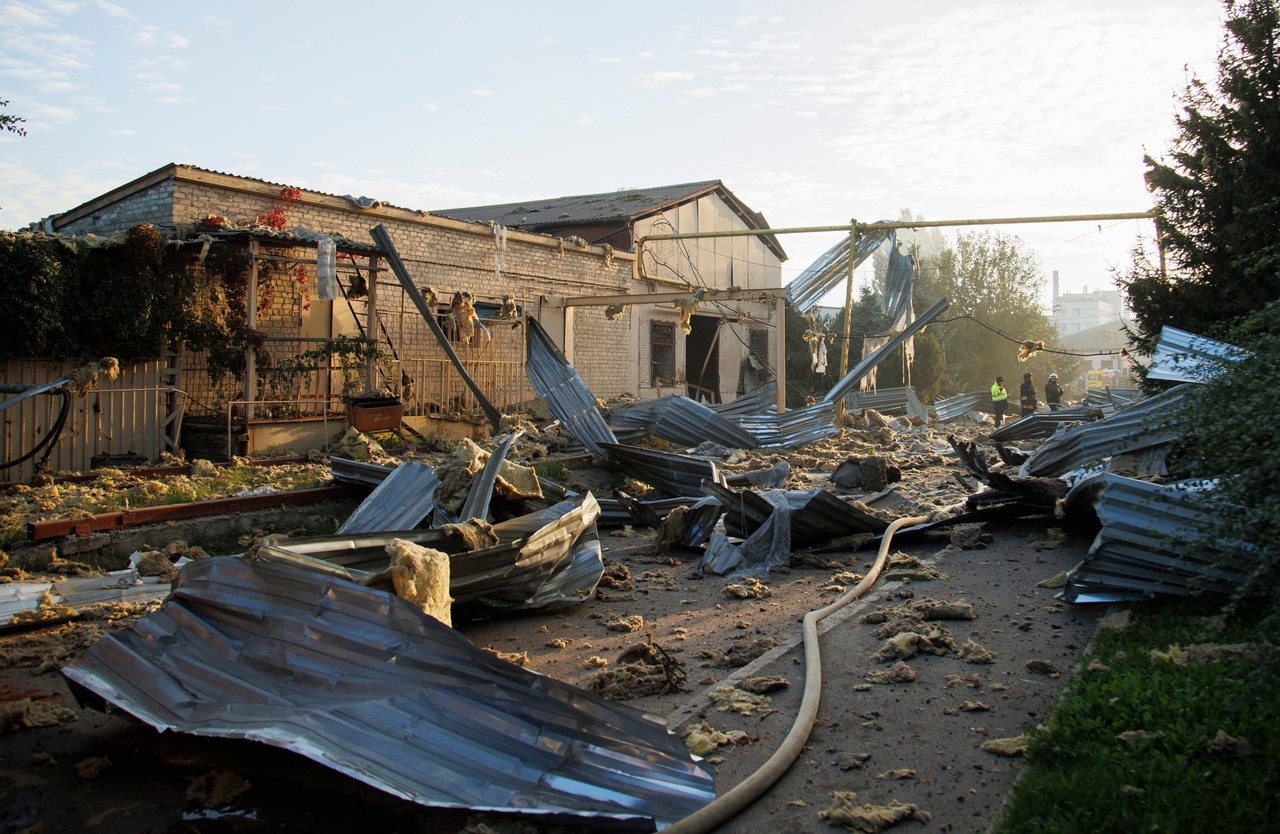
[(376, 415)]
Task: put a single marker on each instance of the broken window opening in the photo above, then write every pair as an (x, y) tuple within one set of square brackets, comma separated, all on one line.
[(662, 352)]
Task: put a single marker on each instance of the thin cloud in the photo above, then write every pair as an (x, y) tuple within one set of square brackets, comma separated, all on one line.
[(663, 77), (124, 131), (114, 10), (588, 120), (17, 15), (152, 36), (609, 59), (58, 86), (713, 91), (429, 106), (482, 92)]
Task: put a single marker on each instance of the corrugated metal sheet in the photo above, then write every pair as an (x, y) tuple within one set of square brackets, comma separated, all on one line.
[(1148, 543), (674, 475), (847, 385), (950, 408), (365, 683), (757, 402), (560, 560), (830, 268), (793, 428), (567, 396), (1185, 357), (481, 492), (683, 420), (551, 557), (1116, 397), (1150, 422), (960, 404), (888, 401), (817, 516), (899, 281), (358, 471), (404, 499), (77, 592), (1044, 423), (130, 414), (768, 546)]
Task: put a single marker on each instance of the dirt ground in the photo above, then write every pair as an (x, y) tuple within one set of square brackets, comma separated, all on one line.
[(918, 742)]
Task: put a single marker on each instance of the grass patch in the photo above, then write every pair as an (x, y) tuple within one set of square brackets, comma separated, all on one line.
[(117, 490), (1128, 747)]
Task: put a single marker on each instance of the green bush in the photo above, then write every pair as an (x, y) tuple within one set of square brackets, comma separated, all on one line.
[(1232, 433)]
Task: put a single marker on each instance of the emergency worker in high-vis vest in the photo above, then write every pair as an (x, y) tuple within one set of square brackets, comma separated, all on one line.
[(999, 400)]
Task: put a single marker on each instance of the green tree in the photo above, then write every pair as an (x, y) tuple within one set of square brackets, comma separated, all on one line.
[(1218, 190), (994, 284), (1219, 196), (1245, 506)]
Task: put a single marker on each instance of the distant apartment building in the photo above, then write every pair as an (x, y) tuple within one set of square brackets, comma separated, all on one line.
[(1094, 321), (1078, 311)]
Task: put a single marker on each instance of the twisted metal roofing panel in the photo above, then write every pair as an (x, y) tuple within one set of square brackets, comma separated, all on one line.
[(567, 396), (792, 428), (405, 497), (686, 421), (367, 684), (1153, 542), (830, 268), (1180, 356), (1149, 422), (950, 408), (671, 474), (548, 558)]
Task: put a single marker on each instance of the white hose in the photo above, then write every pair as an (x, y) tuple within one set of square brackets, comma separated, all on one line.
[(725, 807)]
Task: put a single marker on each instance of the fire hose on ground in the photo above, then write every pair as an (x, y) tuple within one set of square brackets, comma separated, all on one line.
[(725, 807)]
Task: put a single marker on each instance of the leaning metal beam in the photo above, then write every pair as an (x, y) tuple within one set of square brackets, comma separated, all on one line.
[(845, 385), (382, 237)]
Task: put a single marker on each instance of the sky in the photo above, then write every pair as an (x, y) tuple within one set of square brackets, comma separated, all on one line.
[(813, 112)]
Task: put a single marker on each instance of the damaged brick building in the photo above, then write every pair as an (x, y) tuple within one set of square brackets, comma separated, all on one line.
[(562, 270)]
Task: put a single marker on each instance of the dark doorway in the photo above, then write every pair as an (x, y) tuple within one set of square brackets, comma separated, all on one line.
[(702, 358)]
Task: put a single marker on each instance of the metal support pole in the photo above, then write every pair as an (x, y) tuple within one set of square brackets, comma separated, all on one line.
[(848, 317), (371, 326), (251, 321), (780, 355)]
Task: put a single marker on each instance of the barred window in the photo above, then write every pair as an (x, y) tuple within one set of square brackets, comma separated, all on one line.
[(758, 340), (662, 352)]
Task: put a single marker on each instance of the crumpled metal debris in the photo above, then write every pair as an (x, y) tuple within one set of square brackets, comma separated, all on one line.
[(364, 682)]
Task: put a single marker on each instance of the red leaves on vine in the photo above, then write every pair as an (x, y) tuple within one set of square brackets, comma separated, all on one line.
[(275, 218)]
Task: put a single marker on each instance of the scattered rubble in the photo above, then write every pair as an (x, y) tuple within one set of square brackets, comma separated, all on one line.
[(488, 533), (868, 818)]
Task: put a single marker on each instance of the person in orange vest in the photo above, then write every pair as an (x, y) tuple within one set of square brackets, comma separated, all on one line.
[(999, 400)]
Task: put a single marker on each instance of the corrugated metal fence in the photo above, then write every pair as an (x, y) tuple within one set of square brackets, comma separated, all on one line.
[(137, 413)]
